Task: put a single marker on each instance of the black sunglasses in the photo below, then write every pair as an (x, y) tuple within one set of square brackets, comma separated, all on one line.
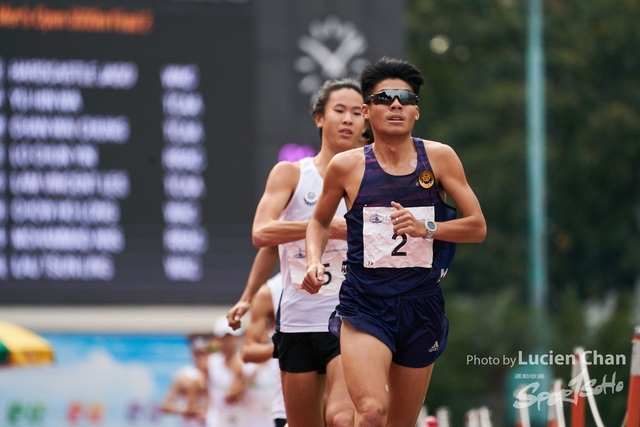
[(406, 97)]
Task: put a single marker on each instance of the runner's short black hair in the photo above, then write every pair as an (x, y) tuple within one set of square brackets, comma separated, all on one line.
[(390, 68)]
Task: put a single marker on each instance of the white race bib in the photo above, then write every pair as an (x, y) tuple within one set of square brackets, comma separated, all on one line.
[(384, 249), (334, 254)]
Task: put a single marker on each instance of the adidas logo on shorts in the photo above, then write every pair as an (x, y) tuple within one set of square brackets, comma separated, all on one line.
[(434, 347)]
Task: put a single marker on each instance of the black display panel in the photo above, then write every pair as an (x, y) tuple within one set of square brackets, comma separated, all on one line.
[(126, 151)]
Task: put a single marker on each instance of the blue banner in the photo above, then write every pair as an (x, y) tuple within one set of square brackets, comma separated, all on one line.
[(97, 380)]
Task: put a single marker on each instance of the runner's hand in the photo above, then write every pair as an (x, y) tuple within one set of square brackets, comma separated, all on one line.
[(405, 223), (234, 316), (314, 279)]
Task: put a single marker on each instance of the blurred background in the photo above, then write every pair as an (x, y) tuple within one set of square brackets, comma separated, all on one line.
[(136, 137)]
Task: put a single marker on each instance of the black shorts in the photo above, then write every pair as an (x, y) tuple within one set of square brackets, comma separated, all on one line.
[(279, 422), (299, 352)]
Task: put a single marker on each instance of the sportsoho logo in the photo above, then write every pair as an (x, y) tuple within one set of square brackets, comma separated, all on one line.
[(526, 396)]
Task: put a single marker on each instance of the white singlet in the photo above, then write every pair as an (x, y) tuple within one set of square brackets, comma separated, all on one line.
[(192, 373), (258, 398), (300, 311), (219, 413), (277, 409)]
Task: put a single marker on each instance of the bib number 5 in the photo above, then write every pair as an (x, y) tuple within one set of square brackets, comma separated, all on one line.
[(327, 274)]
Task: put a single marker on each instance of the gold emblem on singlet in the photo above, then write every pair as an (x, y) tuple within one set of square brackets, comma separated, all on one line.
[(426, 179)]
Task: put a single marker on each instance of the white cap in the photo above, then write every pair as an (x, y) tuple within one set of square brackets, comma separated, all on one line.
[(199, 343), (221, 328)]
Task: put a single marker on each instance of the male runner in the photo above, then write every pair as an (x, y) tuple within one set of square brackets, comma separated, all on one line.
[(305, 348), (401, 235)]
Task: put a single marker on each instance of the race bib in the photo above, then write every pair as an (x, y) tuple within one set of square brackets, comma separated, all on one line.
[(384, 249), (334, 254)]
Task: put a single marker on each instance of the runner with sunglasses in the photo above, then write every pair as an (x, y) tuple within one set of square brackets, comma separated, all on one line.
[(309, 355), (401, 237)]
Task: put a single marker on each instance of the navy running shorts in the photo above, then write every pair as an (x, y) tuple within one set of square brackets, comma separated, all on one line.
[(414, 327), (305, 351)]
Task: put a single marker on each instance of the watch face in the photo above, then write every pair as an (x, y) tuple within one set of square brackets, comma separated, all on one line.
[(430, 225)]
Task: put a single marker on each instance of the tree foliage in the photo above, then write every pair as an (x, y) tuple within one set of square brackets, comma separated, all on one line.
[(498, 326), (473, 55)]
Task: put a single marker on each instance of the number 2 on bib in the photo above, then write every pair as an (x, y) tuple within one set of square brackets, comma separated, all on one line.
[(381, 246)]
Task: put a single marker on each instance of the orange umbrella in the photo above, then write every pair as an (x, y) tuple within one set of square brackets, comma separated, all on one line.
[(19, 346)]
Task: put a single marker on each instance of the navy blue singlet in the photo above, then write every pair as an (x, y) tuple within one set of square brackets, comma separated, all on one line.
[(377, 189)]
